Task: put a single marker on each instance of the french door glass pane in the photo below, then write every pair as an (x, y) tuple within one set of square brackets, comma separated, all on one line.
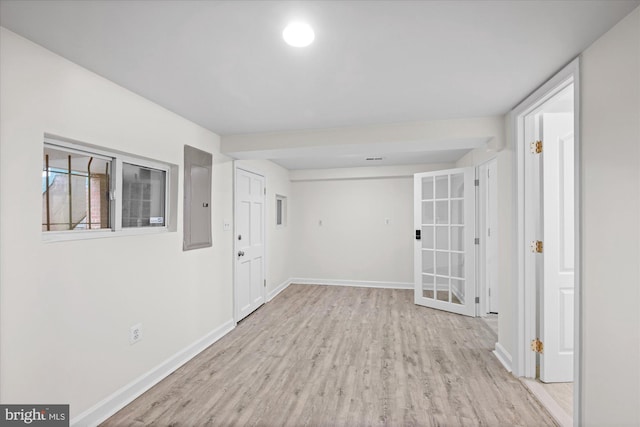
[(457, 212), (457, 238), (442, 212), (457, 265), (427, 212), (427, 237), (427, 188), (442, 237), (442, 286), (457, 290), (442, 187), (442, 263), (428, 283), (457, 185), (427, 261)]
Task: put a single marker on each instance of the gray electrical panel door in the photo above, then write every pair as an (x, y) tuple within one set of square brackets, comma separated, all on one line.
[(197, 198)]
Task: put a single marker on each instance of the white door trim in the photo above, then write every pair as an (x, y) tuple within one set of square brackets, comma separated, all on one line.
[(236, 167), (525, 296)]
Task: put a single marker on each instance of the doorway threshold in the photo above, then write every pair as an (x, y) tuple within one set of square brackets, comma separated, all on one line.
[(542, 395)]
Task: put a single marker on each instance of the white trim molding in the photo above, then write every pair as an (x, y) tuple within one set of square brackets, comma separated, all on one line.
[(353, 283), (503, 356), (121, 398), (281, 287)]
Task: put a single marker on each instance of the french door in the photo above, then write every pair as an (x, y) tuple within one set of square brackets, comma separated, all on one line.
[(444, 254)]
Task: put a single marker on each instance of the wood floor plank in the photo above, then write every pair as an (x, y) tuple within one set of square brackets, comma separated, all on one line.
[(342, 356)]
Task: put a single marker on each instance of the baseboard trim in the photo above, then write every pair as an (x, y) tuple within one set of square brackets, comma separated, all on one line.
[(503, 356), (284, 285), (121, 398), (353, 283)]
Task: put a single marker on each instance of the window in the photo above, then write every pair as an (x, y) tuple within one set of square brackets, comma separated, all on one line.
[(143, 196), (86, 190), (75, 190), (281, 210)]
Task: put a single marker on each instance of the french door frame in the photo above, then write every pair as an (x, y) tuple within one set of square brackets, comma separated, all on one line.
[(524, 360)]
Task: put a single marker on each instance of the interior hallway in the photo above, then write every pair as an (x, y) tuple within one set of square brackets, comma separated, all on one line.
[(343, 356)]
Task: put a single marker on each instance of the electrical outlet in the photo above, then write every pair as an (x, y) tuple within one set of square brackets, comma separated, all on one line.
[(227, 226), (135, 333)]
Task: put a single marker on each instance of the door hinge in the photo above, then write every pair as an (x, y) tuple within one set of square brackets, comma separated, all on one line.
[(477, 241), (477, 300), (536, 147), (265, 191), (265, 283), (536, 246), (476, 183), (537, 346)]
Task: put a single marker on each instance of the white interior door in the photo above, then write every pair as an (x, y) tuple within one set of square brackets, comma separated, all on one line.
[(556, 362), (249, 242), (444, 261)]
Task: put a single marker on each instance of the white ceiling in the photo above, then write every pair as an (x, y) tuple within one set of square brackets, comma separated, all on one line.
[(223, 64)]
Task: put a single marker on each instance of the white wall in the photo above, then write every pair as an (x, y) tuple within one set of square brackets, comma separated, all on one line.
[(278, 239), (610, 167), (353, 242), (66, 307)]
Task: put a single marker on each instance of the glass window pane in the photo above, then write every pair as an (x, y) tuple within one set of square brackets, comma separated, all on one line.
[(427, 262), (75, 190), (442, 238), (457, 185), (457, 212), (457, 291), (428, 282), (442, 285), (457, 238), (442, 263), (143, 196), (427, 188), (457, 265), (427, 237), (442, 212), (427, 212), (442, 187)]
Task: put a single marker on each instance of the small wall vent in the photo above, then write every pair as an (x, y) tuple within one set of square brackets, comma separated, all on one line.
[(373, 159)]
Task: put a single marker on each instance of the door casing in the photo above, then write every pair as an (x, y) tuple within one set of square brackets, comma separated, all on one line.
[(523, 359)]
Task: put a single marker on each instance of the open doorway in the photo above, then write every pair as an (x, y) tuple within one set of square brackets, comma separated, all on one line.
[(548, 287), (487, 232)]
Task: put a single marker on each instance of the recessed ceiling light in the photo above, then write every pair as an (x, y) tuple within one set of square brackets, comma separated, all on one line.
[(298, 34)]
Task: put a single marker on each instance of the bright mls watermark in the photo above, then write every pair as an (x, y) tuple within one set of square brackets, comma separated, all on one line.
[(34, 415)]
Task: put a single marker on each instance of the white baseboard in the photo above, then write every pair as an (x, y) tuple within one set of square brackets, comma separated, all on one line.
[(354, 283), (503, 356), (121, 398), (284, 285)]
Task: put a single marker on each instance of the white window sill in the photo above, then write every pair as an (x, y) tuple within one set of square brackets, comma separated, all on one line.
[(66, 236)]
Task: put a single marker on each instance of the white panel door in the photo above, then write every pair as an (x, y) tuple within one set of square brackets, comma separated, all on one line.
[(249, 243), (444, 261), (556, 363)]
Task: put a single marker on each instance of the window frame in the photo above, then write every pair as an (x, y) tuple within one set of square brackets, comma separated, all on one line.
[(283, 211), (115, 193)]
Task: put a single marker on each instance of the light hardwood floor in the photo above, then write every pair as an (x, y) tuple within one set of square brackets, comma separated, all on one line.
[(342, 356)]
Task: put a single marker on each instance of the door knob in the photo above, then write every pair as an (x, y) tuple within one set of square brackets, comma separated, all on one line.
[(240, 253)]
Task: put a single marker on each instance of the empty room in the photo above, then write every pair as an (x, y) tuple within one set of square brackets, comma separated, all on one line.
[(320, 213)]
